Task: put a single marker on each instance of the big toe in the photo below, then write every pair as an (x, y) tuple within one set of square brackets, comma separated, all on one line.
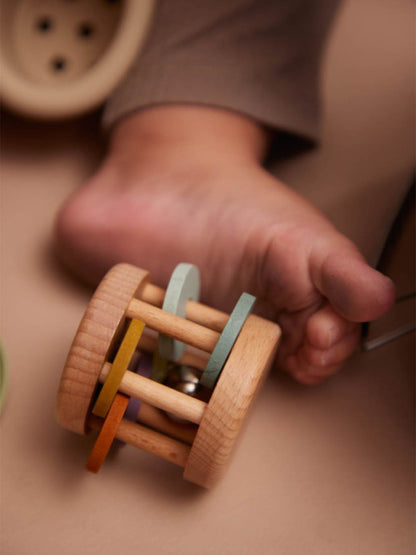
[(355, 290)]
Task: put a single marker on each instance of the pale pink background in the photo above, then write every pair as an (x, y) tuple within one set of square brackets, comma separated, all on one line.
[(328, 470)]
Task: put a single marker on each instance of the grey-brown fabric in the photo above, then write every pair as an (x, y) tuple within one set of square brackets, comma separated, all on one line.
[(257, 57)]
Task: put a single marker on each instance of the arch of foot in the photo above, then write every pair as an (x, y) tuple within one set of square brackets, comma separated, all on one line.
[(161, 371)]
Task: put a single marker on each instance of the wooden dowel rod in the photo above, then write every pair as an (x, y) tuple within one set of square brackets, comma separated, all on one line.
[(206, 316), (174, 326), (152, 294), (148, 344), (159, 421), (163, 446), (192, 359), (149, 440), (158, 395), (196, 312)]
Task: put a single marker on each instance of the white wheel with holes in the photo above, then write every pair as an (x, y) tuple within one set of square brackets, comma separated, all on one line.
[(60, 59)]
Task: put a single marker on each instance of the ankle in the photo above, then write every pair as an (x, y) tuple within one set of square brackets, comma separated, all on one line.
[(193, 133)]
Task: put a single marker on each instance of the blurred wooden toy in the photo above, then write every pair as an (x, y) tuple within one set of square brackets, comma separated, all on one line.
[(163, 372)]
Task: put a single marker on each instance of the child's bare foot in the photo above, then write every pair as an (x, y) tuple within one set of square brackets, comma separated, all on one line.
[(186, 184)]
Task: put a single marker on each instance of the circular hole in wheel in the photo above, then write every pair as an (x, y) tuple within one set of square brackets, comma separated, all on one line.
[(59, 64), (85, 30), (44, 24)]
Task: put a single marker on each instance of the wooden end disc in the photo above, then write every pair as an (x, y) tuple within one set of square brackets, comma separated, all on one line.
[(240, 379), (94, 340)]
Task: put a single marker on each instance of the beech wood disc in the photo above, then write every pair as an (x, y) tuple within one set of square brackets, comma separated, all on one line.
[(100, 327), (121, 362), (240, 379), (107, 433)]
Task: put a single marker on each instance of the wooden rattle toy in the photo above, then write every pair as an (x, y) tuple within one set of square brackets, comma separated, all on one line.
[(163, 372)]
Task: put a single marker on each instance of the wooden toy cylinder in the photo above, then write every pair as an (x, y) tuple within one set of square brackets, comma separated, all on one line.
[(205, 445)]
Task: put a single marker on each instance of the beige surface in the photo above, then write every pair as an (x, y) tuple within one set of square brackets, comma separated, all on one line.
[(328, 470)]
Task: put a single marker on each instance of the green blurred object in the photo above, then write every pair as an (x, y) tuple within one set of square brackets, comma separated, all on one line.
[(3, 379)]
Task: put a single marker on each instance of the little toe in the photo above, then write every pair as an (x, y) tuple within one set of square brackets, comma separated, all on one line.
[(326, 327), (306, 373), (319, 360), (305, 378), (312, 365)]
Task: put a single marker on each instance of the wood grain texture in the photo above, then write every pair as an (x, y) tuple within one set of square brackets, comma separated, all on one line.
[(220, 420), (139, 436), (161, 422), (103, 320), (184, 330), (195, 358), (158, 395), (195, 311), (245, 370)]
